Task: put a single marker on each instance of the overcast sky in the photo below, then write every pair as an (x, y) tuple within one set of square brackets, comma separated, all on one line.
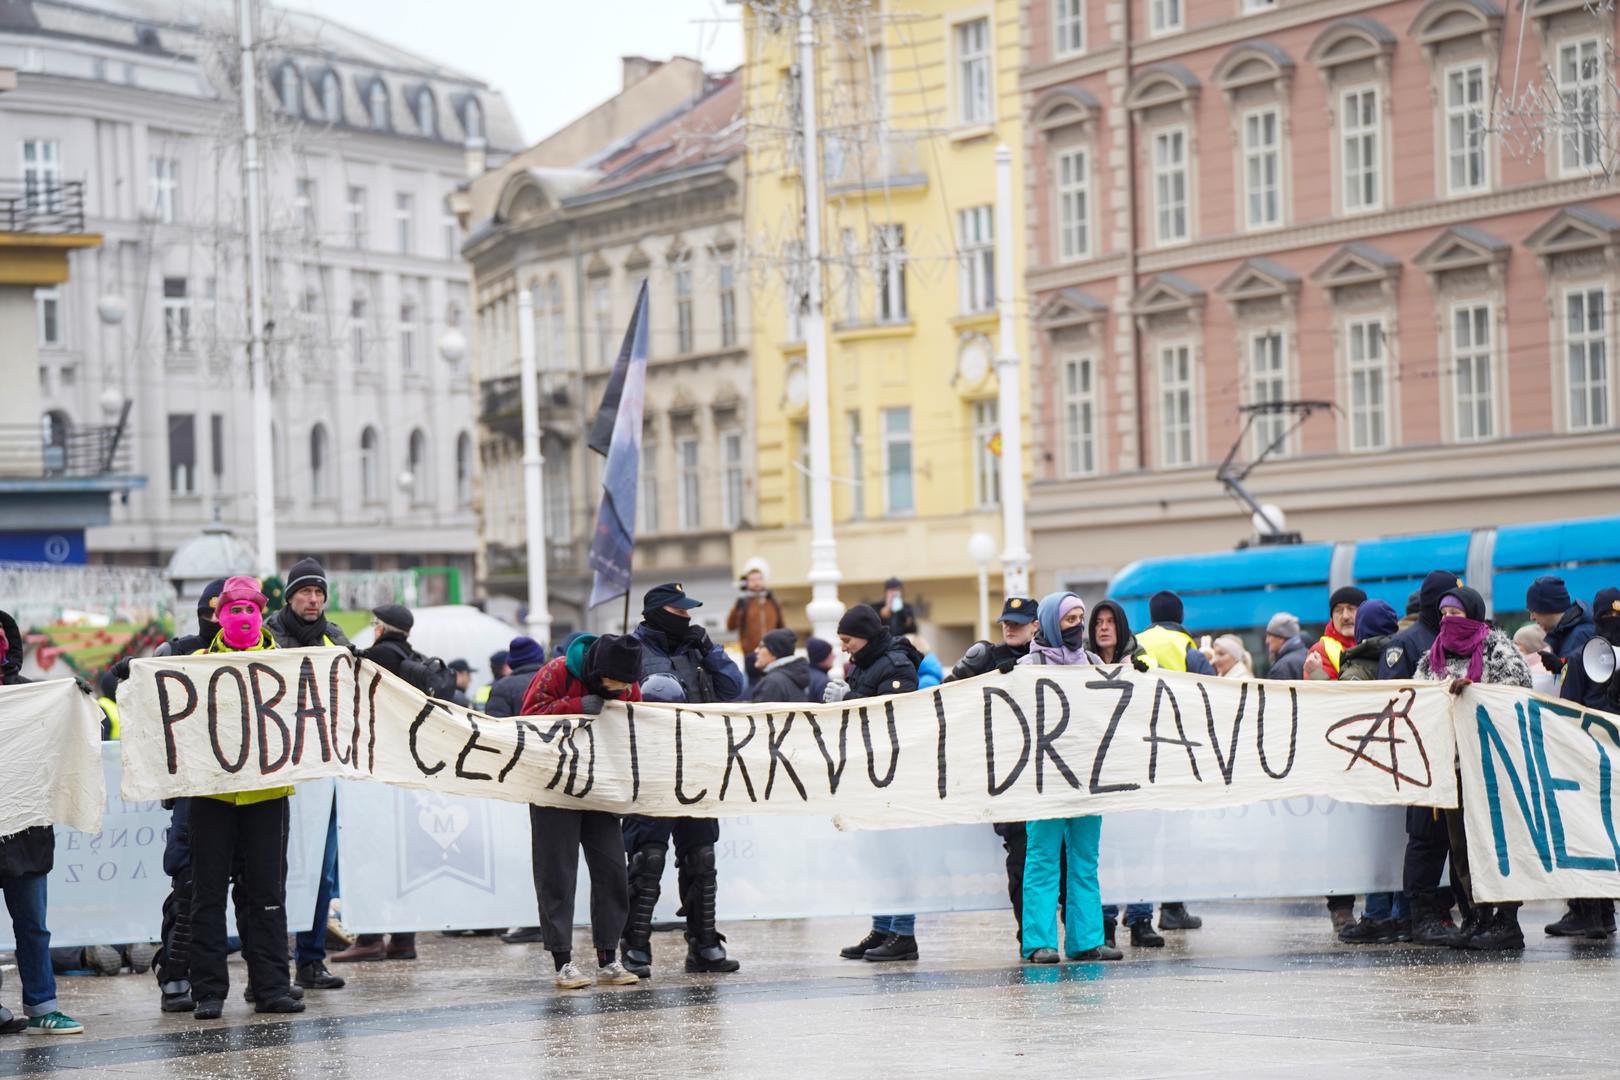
[(553, 59)]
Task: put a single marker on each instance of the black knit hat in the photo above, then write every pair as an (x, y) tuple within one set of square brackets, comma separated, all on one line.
[(304, 573), (1547, 595), (1346, 594), (817, 651), (396, 615), (614, 656), (1166, 607), (1606, 604), (1413, 603), (861, 622), (780, 642)]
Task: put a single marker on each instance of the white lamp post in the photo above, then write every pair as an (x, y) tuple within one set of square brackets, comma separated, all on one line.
[(539, 621), (1014, 555), (981, 549)]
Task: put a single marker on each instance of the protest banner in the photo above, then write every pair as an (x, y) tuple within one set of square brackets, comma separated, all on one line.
[(1035, 743), (50, 757), (1538, 787)]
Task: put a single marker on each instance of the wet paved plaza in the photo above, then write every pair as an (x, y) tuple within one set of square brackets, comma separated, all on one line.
[(1262, 990)]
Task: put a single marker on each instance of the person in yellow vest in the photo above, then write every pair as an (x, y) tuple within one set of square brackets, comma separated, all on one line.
[(1324, 657), (109, 704), (244, 831), (1167, 641), (499, 669)]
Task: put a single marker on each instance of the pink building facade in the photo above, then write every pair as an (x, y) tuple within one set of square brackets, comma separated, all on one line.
[(1244, 201)]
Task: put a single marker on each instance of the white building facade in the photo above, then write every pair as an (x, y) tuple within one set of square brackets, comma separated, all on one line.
[(373, 413)]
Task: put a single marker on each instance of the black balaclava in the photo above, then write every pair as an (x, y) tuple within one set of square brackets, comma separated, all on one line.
[(1431, 592), (671, 625)]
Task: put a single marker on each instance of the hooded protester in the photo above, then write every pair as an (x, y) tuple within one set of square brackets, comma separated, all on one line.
[(1402, 651), (524, 657), (1568, 623), (240, 835), (595, 670), (1376, 623), (880, 663), (1232, 659), (1322, 660), (26, 859), (782, 676), (672, 643), (1167, 641), (1467, 649), (207, 628), (1591, 918), (1063, 846)]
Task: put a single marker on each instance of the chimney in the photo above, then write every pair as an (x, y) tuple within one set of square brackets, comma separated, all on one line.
[(637, 68), (475, 157)]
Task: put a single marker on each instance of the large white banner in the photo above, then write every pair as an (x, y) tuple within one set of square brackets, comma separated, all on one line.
[(1036, 743), (107, 886), (1539, 798), (50, 757)]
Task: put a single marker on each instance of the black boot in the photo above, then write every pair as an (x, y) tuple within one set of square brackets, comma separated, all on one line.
[(1366, 931), (1605, 910), (872, 940), (316, 977), (1431, 923), (1477, 918), (1583, 919), (1109, 929), (1501, 933), (1143, 936), (646, 876), (894, 947), (1175, 916), (704, 949)]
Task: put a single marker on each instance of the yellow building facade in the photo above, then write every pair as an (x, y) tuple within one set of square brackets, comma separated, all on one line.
[(914, 96)]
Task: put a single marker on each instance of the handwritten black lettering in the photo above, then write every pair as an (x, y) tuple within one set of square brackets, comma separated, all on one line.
[(992, 785), (214, 680), (1110, 681), (1161, 693), (169, 714), (734, 756), (773, 741)]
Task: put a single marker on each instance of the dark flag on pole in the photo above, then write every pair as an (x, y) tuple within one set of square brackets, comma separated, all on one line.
[(618, 429)]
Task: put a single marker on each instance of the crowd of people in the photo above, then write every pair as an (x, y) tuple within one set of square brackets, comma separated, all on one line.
[(236, 843)]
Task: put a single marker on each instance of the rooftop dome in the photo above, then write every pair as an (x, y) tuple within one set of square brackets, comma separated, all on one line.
[(217, 553)]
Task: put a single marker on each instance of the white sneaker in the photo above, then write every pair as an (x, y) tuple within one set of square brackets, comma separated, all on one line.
[(571, 978), (615, 974)]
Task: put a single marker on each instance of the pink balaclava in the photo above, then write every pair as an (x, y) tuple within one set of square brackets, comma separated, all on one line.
[(241, 612)]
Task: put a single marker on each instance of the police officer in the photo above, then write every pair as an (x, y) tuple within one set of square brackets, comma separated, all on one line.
[(672, 644), (1017, 631)]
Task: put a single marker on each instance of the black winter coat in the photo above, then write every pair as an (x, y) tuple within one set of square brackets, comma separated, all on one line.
[(790, 682), (506, 696), (280, 626), (888, 665), (1403, 651), (393, 652)]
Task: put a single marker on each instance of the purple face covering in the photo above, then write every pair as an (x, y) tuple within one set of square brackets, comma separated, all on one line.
[(1460, 636)]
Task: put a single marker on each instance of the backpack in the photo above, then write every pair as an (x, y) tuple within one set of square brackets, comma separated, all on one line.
[(430, 675)]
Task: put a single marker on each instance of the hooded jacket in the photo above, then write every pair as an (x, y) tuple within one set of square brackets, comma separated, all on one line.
[(888, 665), (1569, 637), (788, 679), (1401, 652), (1360, 661), (1128, 649), (561, 685)]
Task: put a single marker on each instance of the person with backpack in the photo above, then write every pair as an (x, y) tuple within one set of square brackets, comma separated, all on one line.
[(391, 650)]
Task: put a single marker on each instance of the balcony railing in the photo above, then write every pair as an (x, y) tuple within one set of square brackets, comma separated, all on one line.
[(885, 159), (501, 399), (83, 452), (55, 207)]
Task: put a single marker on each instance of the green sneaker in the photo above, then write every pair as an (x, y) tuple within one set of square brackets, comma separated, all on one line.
[(56, 1023)]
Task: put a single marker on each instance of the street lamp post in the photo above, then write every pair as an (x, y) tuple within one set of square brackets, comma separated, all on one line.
[(539, 621), (1014, 555), (824, 608), (264, 478), (981, 549)]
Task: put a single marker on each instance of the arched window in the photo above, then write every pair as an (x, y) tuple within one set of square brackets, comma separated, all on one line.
[(427, 113), (417, 467), (287, 84), (331, 97), (320, 470), (377, 105), (464, 465), (370, 466), (472, 119)]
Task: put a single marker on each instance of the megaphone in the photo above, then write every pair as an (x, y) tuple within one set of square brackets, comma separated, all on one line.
[(1600, 659)]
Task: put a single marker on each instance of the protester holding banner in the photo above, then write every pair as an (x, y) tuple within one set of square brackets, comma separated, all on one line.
[(26, 858), (881, 663), (595, 670), (1469, 650), (524, 657), (1063, 845), (672, 644), (1592, 918), (241, 835)]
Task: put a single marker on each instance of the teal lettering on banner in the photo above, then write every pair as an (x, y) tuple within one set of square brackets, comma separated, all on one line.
[(1605, 779), (1551, 785), (1529, 802)]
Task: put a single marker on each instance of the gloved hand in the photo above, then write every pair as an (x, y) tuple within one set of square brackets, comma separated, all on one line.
[(1552, 662), (1006, 666), (835, 692), (1461, 683), (1139, 664), (697, 635), (591, 704), (83, 684), (120, 670)]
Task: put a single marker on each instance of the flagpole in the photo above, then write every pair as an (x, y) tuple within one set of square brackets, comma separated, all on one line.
[(824, 608), (264, 475), (539, 620)]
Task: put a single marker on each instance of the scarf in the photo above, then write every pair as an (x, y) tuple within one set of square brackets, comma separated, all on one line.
[(1460, 636), (1066, 646), (674, 627), (305, 635)]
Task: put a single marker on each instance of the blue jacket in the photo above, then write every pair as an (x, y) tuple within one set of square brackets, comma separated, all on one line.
[(1570, 636), (930, 672), (1290, 662), (691, 665)]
